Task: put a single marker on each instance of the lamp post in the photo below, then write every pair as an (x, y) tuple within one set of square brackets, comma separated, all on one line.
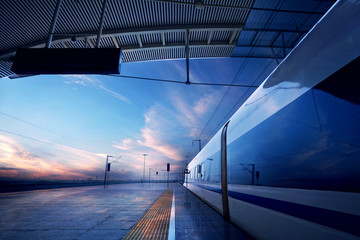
[(144, 166), (106, 167)]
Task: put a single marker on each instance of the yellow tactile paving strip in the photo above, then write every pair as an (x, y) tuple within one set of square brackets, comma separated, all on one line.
[(155, 222)]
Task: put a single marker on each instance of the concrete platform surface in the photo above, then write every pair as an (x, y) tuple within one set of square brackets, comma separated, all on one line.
[(98, 213)]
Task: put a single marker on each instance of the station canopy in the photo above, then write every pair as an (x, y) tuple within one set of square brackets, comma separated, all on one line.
[(148, 30)]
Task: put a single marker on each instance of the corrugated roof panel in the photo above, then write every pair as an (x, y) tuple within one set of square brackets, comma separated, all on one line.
[(24, 24), (151, 38), (28, 22), (178, 52), (141, 13), (57, 45), (5, 69), (202, 52), (107, 42), (175, 37), (198, 36), (78, 16), (127, 40), (78, 44), (221, 35), (153, 54)]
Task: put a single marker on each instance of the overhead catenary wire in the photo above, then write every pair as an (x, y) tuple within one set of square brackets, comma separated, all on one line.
[(45, 129), (40, 140), (34, 125), (236, 104), (36, 139)]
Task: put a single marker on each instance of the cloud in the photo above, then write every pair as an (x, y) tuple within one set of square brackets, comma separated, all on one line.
[(7, 168), (87, 81), (167, 127), (125, 144), (65, 163), (192, 114), (114, 94), (152, 139)]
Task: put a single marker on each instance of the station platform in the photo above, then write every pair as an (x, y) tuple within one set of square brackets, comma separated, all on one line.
[(123, 211)]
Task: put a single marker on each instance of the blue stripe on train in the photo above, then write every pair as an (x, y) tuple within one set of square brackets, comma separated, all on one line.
[(341, 221)]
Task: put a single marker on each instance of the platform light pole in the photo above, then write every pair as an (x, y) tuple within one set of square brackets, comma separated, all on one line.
[(144, 166), (106, 167)]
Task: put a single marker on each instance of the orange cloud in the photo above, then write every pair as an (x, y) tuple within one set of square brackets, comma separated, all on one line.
[(65, 162)]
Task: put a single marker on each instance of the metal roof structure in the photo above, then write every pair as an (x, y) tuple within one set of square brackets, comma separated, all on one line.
[(148, 30)]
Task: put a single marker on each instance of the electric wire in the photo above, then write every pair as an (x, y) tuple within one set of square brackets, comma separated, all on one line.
[(237, 103), (34, 125), (36, 139), (46, 129)]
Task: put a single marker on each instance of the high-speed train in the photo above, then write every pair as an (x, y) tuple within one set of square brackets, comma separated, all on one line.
[(287, 164)]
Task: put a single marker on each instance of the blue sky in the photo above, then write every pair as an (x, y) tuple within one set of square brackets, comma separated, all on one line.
[(62, 126)]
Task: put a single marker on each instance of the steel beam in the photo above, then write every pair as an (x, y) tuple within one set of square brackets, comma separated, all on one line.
[(211, 33), (160, 29), (187, 55), (163, 39), (115, 42), (233, 35), (176, 45), (101, 24), (53, 24), (139, 40)]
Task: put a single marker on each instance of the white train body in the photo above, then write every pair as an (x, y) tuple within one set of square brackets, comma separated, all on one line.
[(287, 164)]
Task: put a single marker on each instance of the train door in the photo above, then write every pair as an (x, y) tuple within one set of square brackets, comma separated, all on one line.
[(224, 182)]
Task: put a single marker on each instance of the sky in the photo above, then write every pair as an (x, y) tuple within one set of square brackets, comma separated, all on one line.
[(62, 127)]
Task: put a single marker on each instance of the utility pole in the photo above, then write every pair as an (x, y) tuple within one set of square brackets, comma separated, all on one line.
[(106, 167), (144, 166)]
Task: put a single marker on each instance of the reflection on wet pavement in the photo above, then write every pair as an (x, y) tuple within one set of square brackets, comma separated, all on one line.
[(196, 220), (76, 213), (98, 213)]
